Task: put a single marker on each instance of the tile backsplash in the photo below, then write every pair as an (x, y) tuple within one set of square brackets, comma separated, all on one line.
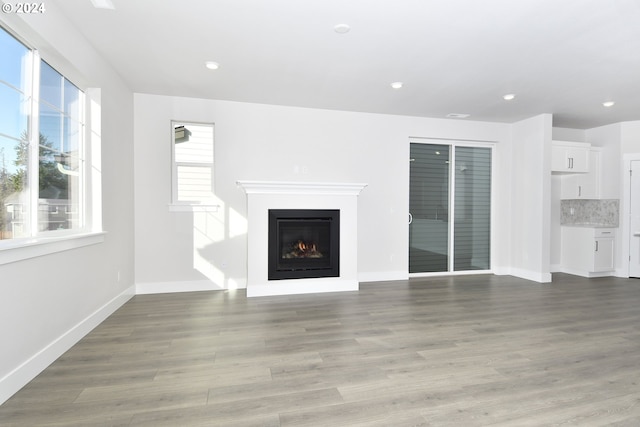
[(590, 212)]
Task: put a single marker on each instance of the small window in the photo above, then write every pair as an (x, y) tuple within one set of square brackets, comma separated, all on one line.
[(192, 157)]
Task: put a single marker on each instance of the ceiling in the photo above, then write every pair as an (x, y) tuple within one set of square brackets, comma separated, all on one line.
[(564, 57)]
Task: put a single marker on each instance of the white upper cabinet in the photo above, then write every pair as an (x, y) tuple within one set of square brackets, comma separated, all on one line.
[(570, 157), (584, 185)]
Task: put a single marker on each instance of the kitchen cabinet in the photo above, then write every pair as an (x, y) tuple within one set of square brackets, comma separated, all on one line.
[(569, 157), (584, 185), (588, 251), (603, 254)]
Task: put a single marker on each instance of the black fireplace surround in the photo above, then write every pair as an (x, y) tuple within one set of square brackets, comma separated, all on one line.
[(303, 243)]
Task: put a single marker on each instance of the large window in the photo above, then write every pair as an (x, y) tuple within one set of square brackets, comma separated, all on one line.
[(42, 155), (15, 111)]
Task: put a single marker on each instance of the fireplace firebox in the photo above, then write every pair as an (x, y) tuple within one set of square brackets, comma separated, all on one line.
[(303, 243)]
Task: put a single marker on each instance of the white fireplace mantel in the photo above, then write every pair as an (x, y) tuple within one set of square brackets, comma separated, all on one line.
[(310, 188), (265, 195)]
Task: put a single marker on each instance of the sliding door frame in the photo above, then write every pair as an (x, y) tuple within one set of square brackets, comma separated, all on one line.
[(453, 143)]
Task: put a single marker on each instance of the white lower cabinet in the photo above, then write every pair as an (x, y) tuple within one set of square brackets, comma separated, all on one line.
[(588, 251), (603, 254)]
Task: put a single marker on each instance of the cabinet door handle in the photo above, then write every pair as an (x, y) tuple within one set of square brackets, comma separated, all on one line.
[(596, 246), (579, 190)]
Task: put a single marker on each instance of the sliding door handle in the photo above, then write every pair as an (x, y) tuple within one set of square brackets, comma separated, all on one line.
[(410, 218)]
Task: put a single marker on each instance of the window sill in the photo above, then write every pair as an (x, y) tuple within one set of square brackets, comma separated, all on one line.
[(21, 249), (193, 208)]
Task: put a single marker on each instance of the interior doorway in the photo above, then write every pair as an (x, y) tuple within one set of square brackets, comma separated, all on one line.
[(634, 218)]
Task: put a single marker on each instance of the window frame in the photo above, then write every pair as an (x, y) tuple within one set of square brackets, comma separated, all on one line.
[(35, 146), (89, 232), (175, 204)]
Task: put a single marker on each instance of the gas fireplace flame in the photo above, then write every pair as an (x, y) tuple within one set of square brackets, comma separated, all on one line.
[(302, 249)]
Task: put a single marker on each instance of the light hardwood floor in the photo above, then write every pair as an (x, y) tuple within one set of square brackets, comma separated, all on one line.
[(464, 351)]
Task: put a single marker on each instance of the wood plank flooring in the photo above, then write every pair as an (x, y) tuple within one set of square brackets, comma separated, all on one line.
[(466, 351)]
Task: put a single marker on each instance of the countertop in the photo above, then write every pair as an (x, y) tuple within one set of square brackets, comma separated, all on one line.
[(589, 225)]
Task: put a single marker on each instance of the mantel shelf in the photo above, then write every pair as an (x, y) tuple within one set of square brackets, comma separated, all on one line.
[(283, 187)]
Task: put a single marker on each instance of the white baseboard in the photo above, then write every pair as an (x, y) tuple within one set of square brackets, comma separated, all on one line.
[(534, 276), (171, 287), (556, 268), (586, 274), (624, 273), (20, 376), (501, 271), (383, 276)]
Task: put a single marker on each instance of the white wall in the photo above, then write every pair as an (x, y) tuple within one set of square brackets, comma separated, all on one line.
[(178, 251), (568, 134), (630, 137), (609, 138), (555, 231), (48, 303), (531, 198)]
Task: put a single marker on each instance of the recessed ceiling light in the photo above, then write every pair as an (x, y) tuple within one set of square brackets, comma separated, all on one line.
[(458, 115), (212, 65), (509, 96), (103, 4), (341, 28), (608, 104), (396, 85)]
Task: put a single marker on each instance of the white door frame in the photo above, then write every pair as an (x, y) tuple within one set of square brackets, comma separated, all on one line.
[(625, 212), (493, 222)]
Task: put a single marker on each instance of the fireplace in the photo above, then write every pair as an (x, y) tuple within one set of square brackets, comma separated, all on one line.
[(303, 243), (264, 197)]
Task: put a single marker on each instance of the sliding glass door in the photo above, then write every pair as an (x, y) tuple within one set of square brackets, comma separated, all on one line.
[(429, 208), (450, 208)]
